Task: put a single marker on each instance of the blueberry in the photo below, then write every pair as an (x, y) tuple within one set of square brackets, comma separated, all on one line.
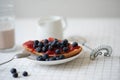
[(61, 46), (50, 48), (36, 41), (65, 49), (57, 51), (47, 59), (49, 43), (58, 44), (53, 44), (74, 44), (46, 46), (44, 49), (57, 58), (65, 41), (25, 73), (35, 46), (15, 75), (61, 57), (45, 56), (52, 58), (38, 49), (40, 44), (40, 58), (46, 41), (13, 70)]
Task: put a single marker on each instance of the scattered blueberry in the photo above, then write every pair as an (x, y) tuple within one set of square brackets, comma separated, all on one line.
[(13, 70), (57, 51), (15, 75), (65, 49), (38, 49), (25, 73), (74, 44)]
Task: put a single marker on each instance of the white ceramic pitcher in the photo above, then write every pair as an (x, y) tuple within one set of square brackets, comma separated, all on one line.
[(51, 26)]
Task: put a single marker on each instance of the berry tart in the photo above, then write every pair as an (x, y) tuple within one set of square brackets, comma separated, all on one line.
[(52, 49)]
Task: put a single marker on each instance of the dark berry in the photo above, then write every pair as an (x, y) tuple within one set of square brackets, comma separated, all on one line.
[(57, 58), (45, 56), (40, 44), (44, 49), (36, 42), (61, 57), (74, 44), (15, 75), (65, 49), (61, 46), (50, 48), (57, 51), (40, 58), (13, 70), (35, 46), (46, 41), (65, 42), (58, 44), (46, 46), (52, 58), (49, 43), (38, 49), (25, 73), (53, 44)]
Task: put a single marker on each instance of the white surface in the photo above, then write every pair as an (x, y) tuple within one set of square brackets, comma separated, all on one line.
[(69, 8), (96, 31)]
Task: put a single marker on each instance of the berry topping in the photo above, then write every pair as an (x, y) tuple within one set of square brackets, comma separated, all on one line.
[(36, 42), (40, 58), (13, 70), (65, 42), (15, 75), (61, 57), (40, 44), (44, 49), (50, 48), (25, 73), (52, 58), (45, 41), (57, 51), (74, 44), (45, 56), (38, 49), (65, 49)]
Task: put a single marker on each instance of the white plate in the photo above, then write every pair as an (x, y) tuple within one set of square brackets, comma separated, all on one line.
[(33, 59)]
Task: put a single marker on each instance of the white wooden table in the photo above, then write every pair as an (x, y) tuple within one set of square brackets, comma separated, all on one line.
[(95, 31)]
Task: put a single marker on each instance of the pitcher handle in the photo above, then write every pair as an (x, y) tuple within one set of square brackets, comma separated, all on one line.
[(64, 21)]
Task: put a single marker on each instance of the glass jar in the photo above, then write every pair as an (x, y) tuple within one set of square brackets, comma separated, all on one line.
[(7, 27)]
